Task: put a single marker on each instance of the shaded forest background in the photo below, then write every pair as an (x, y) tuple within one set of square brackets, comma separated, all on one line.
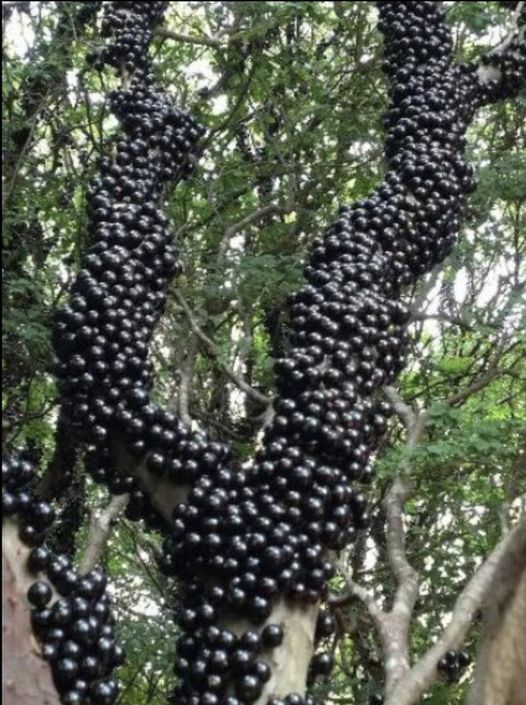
[(292, 97)]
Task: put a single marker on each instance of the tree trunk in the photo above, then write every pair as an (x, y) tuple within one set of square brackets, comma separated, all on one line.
[(379, 280), (501, 663), (27, 677)]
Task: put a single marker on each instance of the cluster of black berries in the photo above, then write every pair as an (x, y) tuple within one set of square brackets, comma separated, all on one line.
[(101, 336), (225, 652), (291, 699), (76, 630), (87, 12), (247, 537), (453, 663), (70, 613), (34, 516), (509, 65), (242, 540)]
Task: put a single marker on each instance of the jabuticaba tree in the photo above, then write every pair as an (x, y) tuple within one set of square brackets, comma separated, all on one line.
[(251, 546)]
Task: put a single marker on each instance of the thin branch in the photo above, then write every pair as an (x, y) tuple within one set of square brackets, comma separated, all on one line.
[(405, 574), (516, 36), (426, 289), (214, 353), (361, 593), (454, 320), (395, 625), (477, 386), (185, 384), (470, 600), (404, 411), (270, 209), (189, 39), (101, 522)]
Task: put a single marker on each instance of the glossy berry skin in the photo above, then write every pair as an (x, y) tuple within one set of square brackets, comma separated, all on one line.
[(321, 664), (463, 659), (241, 541), (453, 663), (65, 671), (72, 697), (104, 693), (9, 503), (272, 636), (294, 699), (325, 625), (38, 559), (348, 339), (249, 688), (76, 631), (39, 594)]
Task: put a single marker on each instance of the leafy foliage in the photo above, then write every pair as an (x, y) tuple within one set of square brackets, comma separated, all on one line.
[(292, 96)]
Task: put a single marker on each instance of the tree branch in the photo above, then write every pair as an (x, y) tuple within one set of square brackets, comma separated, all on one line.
[(428, 286), (395, 625), (404, 573), (477, 386), (404, 411), (185, 384), (423, 674), (21, 654), (99, 531), (189, 39), (357, 591), (214, 353), (501, 658), (514, 40), (269, 209)]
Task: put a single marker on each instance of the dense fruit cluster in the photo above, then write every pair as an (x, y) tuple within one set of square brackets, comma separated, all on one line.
[(509, 64), (86, 12), (264, 534), (453, 663), (246, 538), (34, 517), (101, 337), (70, 613)]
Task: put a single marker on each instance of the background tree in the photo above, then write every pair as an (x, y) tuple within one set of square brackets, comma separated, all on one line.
[(275, 83)]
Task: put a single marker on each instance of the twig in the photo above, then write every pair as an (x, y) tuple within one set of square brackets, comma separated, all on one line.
[(487, 73), (403, 410), (426, 289), (188, 39), (185, 384), (101, 522), (477, 386), (454, 320), (214, 353), (270, 209), (356, 591), (422, 675)]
